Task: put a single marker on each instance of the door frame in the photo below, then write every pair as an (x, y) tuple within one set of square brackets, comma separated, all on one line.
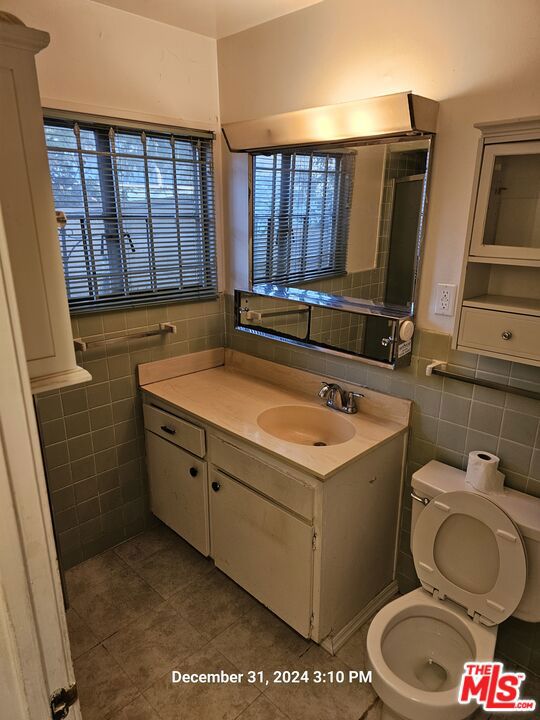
[(35, 657)]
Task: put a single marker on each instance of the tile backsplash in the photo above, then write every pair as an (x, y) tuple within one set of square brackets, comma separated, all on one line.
[(92, 435)]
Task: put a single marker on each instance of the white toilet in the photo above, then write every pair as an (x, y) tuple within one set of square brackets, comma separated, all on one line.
[(478, 559)]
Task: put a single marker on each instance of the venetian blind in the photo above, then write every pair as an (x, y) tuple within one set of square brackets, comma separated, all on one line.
[(300, 215), (139, 213)]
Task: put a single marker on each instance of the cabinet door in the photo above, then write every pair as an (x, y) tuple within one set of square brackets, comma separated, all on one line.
[(28, 211), (507, 217), (178, 490), (263, 548)]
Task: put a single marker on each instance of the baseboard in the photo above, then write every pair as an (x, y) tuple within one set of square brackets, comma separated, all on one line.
[(333, 642)]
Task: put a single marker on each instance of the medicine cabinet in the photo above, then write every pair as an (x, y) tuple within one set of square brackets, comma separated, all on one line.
[(499, 310)]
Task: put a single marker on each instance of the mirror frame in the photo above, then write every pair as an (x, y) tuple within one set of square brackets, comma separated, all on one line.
[(400, 352)]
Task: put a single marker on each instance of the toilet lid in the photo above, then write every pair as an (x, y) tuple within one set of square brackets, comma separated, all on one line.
[(468, 549)]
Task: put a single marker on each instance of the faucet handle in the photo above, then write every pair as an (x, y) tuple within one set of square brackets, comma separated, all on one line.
[(325, 387), (351, 404)]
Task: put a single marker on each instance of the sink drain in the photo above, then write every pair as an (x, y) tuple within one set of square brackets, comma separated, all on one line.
[(320, 443)]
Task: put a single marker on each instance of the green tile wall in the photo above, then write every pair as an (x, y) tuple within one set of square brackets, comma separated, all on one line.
[(92, 435)]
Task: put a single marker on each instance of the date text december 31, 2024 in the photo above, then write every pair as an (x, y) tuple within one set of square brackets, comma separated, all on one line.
[(283, 677)]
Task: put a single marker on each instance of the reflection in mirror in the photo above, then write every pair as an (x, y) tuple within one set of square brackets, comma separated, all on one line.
[(364, 333), (346, 220), (360, 335), (276, 315)]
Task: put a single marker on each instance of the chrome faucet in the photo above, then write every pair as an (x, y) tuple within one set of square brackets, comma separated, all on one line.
[(331, 392)]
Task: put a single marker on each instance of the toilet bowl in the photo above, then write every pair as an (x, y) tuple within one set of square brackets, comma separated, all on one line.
[(417, 647), (477, 558)]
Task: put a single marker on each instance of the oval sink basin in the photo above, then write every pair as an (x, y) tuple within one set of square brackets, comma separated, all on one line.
[(305, 425)]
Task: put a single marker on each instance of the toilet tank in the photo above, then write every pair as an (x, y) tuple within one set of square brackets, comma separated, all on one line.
[(436, 478)]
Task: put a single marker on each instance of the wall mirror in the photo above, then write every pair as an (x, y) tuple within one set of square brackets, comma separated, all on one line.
[(345, 221), (337, 206), (329, 323)]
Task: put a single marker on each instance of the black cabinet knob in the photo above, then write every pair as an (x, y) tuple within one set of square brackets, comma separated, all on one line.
[(193, 471), (215, 486)]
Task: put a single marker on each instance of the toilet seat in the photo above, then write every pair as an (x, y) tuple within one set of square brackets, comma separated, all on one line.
[(395, 691), (468, 549)]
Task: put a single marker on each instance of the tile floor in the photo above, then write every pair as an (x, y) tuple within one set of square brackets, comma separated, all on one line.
[(154, 604)]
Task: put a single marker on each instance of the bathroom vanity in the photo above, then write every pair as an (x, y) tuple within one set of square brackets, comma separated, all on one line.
[(296, 502)]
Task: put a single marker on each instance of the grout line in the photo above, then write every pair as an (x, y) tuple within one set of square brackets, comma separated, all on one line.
[(365, 714), (239, 716)]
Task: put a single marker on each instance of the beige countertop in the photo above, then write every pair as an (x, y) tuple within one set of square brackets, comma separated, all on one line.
[(229, 399)]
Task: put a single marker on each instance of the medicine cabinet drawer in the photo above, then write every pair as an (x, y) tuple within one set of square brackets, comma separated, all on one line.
[(500, 332)]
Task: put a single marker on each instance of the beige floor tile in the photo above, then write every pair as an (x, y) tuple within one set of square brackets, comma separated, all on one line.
[(262, 709), (531, 690), (101, 568), (374, 710), (154, 644), (138, 709), (260, 641), (109, 606), (174, 568), (81, 638), (354, 652), (211, 701), (213, 603), (103, 686), (138, 549), (322, 701), (480, 714)]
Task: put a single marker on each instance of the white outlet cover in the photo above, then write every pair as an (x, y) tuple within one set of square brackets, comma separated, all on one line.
[(445, 299)]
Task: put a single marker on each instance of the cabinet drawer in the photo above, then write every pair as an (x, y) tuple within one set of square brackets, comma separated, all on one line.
[(263, 548), (180, 432), (500, 332), (178, 490), (282, 488)]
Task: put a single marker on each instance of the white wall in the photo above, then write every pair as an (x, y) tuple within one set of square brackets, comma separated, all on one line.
[(479, 58), (106, 61), (109, 59)]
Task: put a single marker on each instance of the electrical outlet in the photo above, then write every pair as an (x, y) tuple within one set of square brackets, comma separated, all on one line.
[(445, 299)]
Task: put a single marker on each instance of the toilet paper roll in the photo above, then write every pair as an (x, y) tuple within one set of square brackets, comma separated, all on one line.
[(483, 473)]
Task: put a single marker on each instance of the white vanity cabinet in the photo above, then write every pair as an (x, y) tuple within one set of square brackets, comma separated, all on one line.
[(178, 479), (263, 547), (319, 553)]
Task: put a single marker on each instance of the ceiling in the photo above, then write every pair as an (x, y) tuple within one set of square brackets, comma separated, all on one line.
[(215, 18)]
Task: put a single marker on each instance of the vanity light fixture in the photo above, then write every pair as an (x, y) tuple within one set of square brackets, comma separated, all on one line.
[(400, 114)]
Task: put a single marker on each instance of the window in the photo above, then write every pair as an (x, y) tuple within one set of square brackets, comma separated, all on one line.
[(139, 209), (300, 215)]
